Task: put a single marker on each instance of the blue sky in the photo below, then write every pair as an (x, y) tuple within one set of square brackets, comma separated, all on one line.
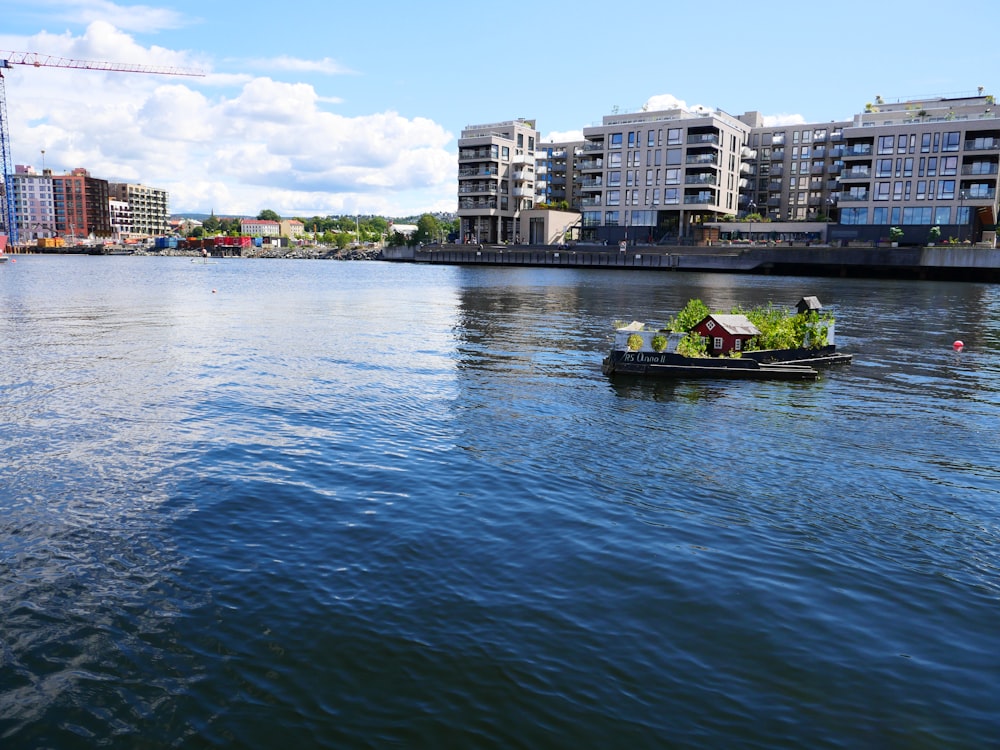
[(316, 108)]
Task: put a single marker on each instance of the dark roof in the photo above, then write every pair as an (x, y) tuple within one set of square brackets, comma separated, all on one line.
[(808, 303)]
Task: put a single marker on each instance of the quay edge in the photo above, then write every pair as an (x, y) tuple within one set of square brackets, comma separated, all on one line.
[(946, 263)]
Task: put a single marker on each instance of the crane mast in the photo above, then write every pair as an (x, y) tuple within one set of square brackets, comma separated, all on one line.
[(7, 61)]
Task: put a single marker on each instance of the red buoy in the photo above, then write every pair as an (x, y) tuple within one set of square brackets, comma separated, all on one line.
[(957, 346)]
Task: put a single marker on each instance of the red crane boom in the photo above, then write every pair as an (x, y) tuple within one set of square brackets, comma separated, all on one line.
[(38, 60)]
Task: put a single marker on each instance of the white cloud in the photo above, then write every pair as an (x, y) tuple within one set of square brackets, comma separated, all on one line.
[(771, 121), (128, 17), (233, 143), (557, 136), (664, 101), (297, 65)]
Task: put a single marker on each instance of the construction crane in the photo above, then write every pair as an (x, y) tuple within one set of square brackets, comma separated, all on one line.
[(9, 60)]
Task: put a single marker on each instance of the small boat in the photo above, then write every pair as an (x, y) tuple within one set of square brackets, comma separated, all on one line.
[(730, 349)]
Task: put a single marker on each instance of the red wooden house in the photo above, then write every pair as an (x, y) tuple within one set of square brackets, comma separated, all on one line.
[(726, 333)]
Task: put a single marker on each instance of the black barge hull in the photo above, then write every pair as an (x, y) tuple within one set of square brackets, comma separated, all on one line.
[(791, 364)]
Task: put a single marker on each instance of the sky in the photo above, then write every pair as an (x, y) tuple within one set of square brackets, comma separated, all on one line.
[(338, 108)]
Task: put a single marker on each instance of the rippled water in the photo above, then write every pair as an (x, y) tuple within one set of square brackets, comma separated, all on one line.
[(318, 504)]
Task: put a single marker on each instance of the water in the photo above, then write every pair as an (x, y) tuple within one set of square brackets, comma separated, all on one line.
[(318, 504)]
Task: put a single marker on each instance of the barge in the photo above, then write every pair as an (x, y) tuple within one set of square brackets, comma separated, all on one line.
[(728, 346)]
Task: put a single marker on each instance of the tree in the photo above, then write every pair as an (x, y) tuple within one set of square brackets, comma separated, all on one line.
[(211, 224), (268, 215), (428, 229)]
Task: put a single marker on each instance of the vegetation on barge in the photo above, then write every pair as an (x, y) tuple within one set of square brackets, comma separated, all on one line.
[(779, 328)]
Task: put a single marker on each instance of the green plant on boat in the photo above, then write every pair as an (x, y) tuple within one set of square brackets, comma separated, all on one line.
[(634, 342), (780, 329), (659, 342), (693, 313), (693, 345)]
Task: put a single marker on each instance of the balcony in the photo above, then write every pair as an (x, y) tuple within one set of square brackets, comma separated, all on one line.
[(587, 165), (700, 200), (594, 200), (980, 168), (856, 173), (596, 146), (855, 197), (703, 139), (701, 179), (591, 183), (777, 154), (858, 149), (983, 144), (478, 172), (712, 158), (467, 154), (467, 204)]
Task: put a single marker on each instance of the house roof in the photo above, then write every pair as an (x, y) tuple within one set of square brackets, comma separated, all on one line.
[(808, 303), (737, 325)]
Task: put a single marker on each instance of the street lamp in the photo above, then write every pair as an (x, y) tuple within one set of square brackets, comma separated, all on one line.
[(830, 203), (962, 195), (752, 209)]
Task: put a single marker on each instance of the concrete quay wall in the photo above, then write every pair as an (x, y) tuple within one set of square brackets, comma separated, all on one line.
[(944, 263)]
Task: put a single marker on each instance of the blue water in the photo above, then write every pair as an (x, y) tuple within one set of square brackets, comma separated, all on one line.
[(319, 504)]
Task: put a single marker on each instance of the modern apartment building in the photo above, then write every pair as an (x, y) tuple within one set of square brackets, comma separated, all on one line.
[(557, 173), (654, 176), (650, 176), (921, 163), (34, 203), (81, 205), (496, 179), (148, 207)]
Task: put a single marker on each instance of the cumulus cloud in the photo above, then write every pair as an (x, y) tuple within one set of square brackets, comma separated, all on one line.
[(233, 143), (771, 121)]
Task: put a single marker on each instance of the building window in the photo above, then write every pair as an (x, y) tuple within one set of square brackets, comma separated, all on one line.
[(950, 141), (611, 218), (886, 144), (614, 179), (616, 140), (674, 136), (946, 190), (717, 343), (673, 156), (614, 197)]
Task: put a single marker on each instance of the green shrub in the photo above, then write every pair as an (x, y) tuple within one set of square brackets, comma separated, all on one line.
[(659, 342), (693, 313), (693, 345), (634, 342)]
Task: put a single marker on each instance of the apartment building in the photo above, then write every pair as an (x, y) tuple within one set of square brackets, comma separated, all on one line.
[(34, 203), (148, 208), (557, 173), (921, 163), (81, 203), (496, 179), (655, 176)]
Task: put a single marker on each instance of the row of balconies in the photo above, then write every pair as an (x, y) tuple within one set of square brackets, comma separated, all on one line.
[(477, 172), (477, 187), (477, 204)]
